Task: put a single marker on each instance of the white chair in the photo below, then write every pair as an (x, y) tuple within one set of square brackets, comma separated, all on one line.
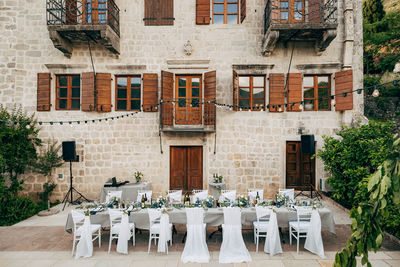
[(273, 240), (252, 193), (147, 193), (175, 195), (261, 225), (199, 194), (115, 227), (78, 219), (299, 228), (314, 242), (111, 194), (155, 228), (196, 249), (233, 249), (289, 193), (229, 195)]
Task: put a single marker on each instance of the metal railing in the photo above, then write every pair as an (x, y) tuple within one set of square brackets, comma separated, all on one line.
[(187, 111), (83, 12), (300, 12)]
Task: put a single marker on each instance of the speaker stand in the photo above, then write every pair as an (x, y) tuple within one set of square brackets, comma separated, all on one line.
[(72, 189)]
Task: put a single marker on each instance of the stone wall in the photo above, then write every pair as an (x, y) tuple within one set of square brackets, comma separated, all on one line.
[(250, 146)]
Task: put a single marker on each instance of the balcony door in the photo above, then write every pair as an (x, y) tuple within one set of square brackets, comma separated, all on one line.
[(298, 167), (94, 12), (291, 11), (186, 168), (188, 109)]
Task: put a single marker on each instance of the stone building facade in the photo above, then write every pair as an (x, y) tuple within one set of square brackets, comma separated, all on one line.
[(248, 148)]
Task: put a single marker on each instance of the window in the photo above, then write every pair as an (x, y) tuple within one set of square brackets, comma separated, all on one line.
[(95, 11), (316, 92), (128, 95), (68, 96), (252, 92), (188, 94), (291, 11), (225, 11)]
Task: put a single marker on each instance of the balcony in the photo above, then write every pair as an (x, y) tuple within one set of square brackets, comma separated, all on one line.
[(72, 21), (302, 20), (187, 115)]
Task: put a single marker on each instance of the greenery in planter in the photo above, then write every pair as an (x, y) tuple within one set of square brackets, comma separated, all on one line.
[(138, 176)]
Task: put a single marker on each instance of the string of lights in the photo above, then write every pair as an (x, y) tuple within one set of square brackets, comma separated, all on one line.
[(278, 106)]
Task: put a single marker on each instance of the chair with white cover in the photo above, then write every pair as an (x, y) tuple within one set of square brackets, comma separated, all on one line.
[(158, 228), (175, 195), (200, 195), (299, 228), (289, 193), (273, 240), (117, 229), (83, 228), (147, 193), (227, 195), (314, 239), (196, 249), (252, 193), (233, 248), (111, 194), (261, 225)]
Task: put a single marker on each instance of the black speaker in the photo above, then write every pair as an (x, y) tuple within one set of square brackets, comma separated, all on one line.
[(68, 149), (307, 144)]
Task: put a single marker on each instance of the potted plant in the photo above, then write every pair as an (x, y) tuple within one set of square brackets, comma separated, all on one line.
[(138, 176)]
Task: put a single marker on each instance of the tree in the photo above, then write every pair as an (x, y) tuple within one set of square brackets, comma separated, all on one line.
[(373, 10)]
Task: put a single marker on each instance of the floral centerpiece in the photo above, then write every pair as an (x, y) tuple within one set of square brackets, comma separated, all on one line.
[(138, 176), (265, 203), (113, 203), (208, 202), (159, 202), (242, 201), (280, 200)]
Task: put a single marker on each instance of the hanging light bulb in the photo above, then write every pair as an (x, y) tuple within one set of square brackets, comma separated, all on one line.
[(280, 108), (375, 93), (27, 126), (333, 102), (301, 106)]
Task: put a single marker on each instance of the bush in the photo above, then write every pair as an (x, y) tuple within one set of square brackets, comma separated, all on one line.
[(373, 10), (16, 208)]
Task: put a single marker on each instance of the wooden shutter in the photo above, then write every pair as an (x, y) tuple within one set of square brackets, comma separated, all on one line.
[(151, 12), (87, 91), (295, 91), (314, 11), (167, 95), (242, 10), (235, 84), (276, 91), (43, 91), (344, 83), (71, 11), (210, 93), (103, 88), (150, 92), (166, 12), (202, 12)]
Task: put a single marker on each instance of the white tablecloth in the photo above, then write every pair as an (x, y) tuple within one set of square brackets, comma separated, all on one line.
[(129, 191)]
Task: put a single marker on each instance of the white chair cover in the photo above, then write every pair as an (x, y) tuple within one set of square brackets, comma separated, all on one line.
[(111, 194), (154, 215), (273, 240), (124, 234), (314, 239), (287, 192), (141, 193), (196, 249), (233, 249), (253, 194), (85, 244), (175, 196), (228, 195), (200, 195), (164, 233)]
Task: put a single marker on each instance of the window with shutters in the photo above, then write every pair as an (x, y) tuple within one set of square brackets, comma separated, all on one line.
[(316, 92), (128, 93), (68, 92), (158, 12), (251, 92), (225, 11)]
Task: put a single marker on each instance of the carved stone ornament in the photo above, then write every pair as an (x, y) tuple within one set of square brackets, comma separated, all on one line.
[(187, 47)]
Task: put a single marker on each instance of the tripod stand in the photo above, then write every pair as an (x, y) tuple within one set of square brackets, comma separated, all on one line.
[(301, 193), (71, 189)]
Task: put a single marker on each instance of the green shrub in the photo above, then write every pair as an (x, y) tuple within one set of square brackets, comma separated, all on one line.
[(373, 10), (16, 208)]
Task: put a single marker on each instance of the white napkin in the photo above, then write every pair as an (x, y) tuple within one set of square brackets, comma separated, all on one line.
[(85, 244), (314, 242), (124, 235), (273, 241), (164, 230)]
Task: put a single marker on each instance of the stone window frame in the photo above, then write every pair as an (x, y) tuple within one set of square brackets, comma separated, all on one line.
[(69, 88), (128, 98), (251, 87), (316, 96), (225, 14)]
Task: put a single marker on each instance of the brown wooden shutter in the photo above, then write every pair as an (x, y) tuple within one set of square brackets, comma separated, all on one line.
[(235, 84), (150, 92), (295, 91), (103, 88), (276, 91), (43, 92), (71, 11), (202, 12), (151, 12), (210, 94), (343, 83), (166, 12), (242, 10), (314, 11), (167, 95), (87, 91)]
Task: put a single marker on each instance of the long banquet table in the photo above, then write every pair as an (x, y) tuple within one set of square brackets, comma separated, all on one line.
[(213, 217)]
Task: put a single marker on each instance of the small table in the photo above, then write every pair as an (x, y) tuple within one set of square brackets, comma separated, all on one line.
[(215, 189), (129, 191)]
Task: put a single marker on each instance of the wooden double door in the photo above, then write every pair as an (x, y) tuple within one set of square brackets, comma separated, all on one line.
[(188, 93), (298, 167), (186, 168)]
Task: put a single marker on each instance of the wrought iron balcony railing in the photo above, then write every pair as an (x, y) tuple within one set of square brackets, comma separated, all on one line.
[(83, 12)]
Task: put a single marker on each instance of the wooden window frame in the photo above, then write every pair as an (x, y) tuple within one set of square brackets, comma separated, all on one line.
[(316, 96), (189, 98), (291, 9), (69, 97), (128, 92), (251, 87), (225, 14), (94, 12)]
